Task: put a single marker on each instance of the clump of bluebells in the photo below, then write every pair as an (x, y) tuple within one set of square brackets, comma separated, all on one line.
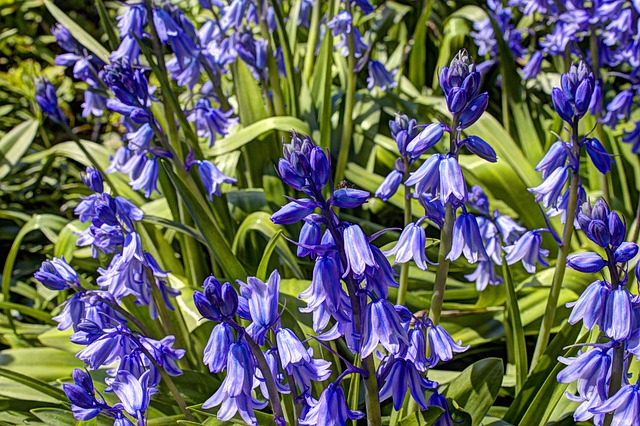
[(113, 338), (601, 369), (348, 301)]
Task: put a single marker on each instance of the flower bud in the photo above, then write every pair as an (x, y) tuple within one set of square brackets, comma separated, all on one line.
[(625, 252), (583, 97), (598, 154), (349, 198), (425, 140), (473, 111), (320, 167), (293, 212), (479, 147), (389, 185), (562, 105), (229, 299), (617, 229), (93, 180), (586, 262), (309, 236), (456, 100), (290, 176)]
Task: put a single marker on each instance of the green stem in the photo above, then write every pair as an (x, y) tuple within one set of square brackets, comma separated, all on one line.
[(350, 93), (404, 269), (446, 239), (561, 262), (314, 29)]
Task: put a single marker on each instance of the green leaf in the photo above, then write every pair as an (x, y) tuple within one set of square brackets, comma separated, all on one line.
[(78, 32), (517, 344), (477, 387), (422, 418), (253, 131), (34, 384), (106, 23), (15, 144), (55, 416), (268, 251), (539, 393)]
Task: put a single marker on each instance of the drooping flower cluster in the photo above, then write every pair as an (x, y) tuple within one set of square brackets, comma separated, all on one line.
[(609, 305), (96, 318), (562, 160)]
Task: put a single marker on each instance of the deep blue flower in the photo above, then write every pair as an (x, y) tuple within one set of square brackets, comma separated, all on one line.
[(453, 189), (589, 369), (586, 262), (131, 89), (64, 38), (633, 138), (389, 185), (441, 345), (357, 251), (528, 249), (532, 69), (437, 399), (93, 180), (381, 325), (82, 396), (341, 25), (599, 155), (625, 252), (133, 393), (48, 100), (293, 211), (349, 198), (211, 121), (404, 376), (425, 140), (467, 240), (562, 105), (235, 391), (112, 344), (411, 245), (309, 236), (381, 278), (57, 274), (379, 76), (472, 112), (262, 299), (254, 53), (479, 147), (330, 410), (217, 349), (625, 405), (619, 108)]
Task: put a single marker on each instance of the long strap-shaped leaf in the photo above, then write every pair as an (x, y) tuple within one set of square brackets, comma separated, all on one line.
[(34, 384)]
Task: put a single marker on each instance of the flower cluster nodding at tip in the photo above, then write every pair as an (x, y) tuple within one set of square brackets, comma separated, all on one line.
[(99, 323), (610, 305)]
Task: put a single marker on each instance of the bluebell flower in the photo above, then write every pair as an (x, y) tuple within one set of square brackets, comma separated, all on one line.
[(460, 82), (298, 362), (555, 157), (48, 100), (479, 147), (404, 376), (417, 348), (598, 154), (484, 275), (93, 180), (618, 109), (625, 252), (349, 198), (425, 140), (64, 38), (108, 347), (131, 89), (548, 192), (472, 112), (533, 66), (341, 25), (467, 240), (147, 177), (589, 369), (309, 236), (212, 178), (57, 274), (262, 299), (294, 211), (441, 345), (381, 325), (439, 400), (254, 53), (590, 305), (509, 229), (381, 278), (357, 251), (586, 262), (379, 76), (330, 410), (528, 250), (617, 322), (411, 245), (427, 177), (217, 348), (389, 185), (133, 393), (235, 13), (625, 405), (478, 199), (453, 189), (235, 391), (81, 394), (633, 138), (211, 121), (163, 353)]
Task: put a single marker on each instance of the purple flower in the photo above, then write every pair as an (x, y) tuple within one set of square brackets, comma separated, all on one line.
[(379, 76), (453, 189), (402, 376), (349, 198), (427, 177), (586, 262), (262, 300), (617, 322), (389, 185), (589, 369), (357, 250), (633, 138), (479, 147), (133, 393), (550, 189), (217, 349), (599, 156), (211, 121), (57, 274), (532, 69), (212, 178), (625, 405), (309, 237), (84, 404), (425, 140), (93, 180), (48, 100), (472, 112), (528, 249), (293, 211), (619, 108), (442, 346), (381, 325), (235, 391), (590, 305), (330, 410), (411, 245), (467, 240), (484, 275)]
